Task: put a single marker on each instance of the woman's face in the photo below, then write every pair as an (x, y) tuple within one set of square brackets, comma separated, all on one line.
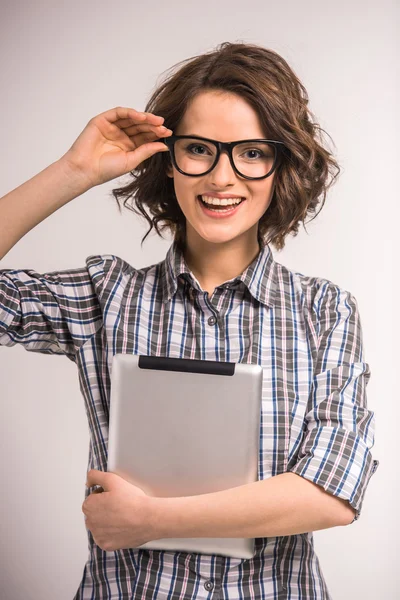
[(225, 117)]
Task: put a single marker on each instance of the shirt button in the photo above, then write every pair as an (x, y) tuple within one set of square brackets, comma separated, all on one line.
[(212, 321), (209, 585)]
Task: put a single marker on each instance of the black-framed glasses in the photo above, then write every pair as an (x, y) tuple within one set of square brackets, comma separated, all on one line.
[(195, 156)]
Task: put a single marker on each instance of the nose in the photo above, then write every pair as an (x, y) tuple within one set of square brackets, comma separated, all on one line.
[(223, 173)]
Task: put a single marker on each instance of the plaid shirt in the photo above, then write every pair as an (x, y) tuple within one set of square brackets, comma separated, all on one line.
[(306, 334)]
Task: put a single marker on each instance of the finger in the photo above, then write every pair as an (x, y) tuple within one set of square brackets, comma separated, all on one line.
[(122, 123), (132, 128), (142, 152), (142, 138), (152, 118), (135, 130), (145, 117), (130, 122), (122, 112)]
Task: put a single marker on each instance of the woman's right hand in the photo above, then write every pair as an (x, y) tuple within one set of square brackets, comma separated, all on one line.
[(114, 143)]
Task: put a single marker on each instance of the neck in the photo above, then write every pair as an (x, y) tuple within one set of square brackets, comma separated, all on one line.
[(213, 264)]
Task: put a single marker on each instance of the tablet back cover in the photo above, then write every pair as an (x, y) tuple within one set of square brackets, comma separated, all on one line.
[(183, 427)]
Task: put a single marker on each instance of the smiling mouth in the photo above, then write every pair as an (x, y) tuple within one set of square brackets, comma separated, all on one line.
[(220, 207)]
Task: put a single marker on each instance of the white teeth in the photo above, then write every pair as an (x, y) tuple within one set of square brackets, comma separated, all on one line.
[(221, 202)]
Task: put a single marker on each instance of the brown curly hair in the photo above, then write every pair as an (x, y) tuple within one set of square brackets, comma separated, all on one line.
[(265, 80)]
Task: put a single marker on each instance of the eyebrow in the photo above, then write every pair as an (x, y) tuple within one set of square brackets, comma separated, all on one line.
[(206, 138)]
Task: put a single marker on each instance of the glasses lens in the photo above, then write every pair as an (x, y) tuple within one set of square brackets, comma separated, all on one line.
[(252, 159)]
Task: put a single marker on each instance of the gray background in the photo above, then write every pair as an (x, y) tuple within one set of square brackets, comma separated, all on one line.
[(63, 63)]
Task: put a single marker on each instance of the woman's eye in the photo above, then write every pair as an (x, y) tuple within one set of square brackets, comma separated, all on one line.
[(256, 151), (259, 154), (250, 153), (192, 146)]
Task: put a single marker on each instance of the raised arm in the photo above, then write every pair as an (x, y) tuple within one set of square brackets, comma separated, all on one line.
[(112, 144), (36, 199)]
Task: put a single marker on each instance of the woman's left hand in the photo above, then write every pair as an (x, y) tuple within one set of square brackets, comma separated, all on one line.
[(118, 515)]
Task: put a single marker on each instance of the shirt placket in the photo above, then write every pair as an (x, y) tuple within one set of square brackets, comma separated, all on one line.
[(212, 312)]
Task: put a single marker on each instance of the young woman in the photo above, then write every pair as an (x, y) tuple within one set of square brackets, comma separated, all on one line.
[(240, 166)]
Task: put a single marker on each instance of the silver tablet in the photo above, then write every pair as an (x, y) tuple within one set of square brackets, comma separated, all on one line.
[(182, 427)]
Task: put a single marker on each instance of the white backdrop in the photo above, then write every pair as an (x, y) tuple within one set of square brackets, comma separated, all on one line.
[(63, 63)]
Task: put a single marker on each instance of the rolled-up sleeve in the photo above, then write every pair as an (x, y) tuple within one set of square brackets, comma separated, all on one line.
[(51, 313), (339, 429)]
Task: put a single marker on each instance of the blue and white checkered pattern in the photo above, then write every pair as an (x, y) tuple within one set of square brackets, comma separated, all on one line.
[(306, 334)]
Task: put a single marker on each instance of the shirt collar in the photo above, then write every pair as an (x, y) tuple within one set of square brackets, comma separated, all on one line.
[(259, 277)]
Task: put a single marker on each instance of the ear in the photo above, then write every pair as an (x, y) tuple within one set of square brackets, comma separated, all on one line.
[(170, 172)]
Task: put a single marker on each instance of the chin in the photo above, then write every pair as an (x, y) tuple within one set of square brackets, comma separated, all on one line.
[(218, 238)]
